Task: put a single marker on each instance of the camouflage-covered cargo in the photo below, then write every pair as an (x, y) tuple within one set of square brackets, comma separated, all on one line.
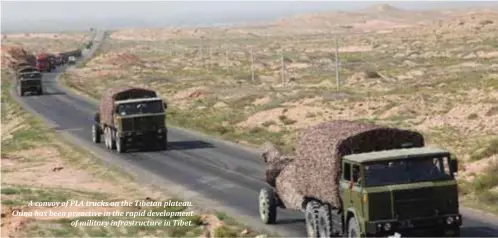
[(315, 172), (25, 69), (22, 64), (106, 105)]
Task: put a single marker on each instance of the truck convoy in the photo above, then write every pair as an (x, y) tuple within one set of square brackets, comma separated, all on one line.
[(363, 180), (130, 116), (29, 80)]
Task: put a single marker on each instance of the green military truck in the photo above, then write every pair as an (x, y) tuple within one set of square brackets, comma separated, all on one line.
[(361, 180), (29, 80), (130, 116)]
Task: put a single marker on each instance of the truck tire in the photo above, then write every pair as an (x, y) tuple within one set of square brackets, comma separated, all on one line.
[(311, 216), (120, 144), (267, 206), (163, 144), (112, 140), (96, 133), (106, 137), (325, 228), (353, 230), (20, 92)]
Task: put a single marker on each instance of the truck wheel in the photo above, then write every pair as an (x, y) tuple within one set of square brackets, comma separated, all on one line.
[(163, 144), (120, 144), (267, 206), (20, 92), (106, 137), (324, 221), (111, 139), (311, 215), (96, 134), (353, 230)]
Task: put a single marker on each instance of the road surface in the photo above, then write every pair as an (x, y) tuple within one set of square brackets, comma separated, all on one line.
[(219, 175)]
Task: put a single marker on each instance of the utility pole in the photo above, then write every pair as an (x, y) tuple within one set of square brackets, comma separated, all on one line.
[(226, 57), (252, 66), (202, 52), (337, 63), (282, 66), (210, 57)]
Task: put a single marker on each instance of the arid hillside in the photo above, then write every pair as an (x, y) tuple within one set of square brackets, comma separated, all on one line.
[(436, 72)]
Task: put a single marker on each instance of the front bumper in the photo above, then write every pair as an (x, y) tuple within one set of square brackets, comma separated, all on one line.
[(144, 136), (443, 222), (32, 88)]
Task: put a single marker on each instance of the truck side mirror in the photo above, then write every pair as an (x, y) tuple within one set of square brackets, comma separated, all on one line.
[(454, 165), (165, 105)]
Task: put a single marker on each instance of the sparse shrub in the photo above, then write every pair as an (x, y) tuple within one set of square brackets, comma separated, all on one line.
[(256, 130), (225, 231), (310, 114), (472, 116), (268, 123), (490, 149), (287, 121), (372, 74), (221, 216), (492, 111), (485, 22), (487, 180)]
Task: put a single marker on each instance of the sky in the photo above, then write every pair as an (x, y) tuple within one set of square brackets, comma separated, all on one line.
[(29, 16)]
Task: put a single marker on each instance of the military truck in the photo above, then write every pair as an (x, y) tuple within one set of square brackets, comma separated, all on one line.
[(29, 80), (362, 180), (130, 116)]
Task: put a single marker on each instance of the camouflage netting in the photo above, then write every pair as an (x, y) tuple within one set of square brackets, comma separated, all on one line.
[(106, 105), (316, 170), (276, 162)]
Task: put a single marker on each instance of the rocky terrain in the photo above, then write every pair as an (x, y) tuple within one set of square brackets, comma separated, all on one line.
[(433, 71)]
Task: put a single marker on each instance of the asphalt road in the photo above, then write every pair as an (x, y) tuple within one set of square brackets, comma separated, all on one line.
[(220, 175)]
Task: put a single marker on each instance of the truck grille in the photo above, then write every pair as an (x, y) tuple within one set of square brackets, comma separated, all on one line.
[(415, 203), (30, 82), (144, 123), (379, 206)]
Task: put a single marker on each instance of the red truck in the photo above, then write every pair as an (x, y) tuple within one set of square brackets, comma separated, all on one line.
[(43, 63)]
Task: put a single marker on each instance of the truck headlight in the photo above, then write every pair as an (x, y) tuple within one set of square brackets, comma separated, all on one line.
[(449, 220), (387, 226), (159, 130)]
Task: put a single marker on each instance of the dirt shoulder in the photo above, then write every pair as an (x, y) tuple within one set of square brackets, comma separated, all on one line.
[(37, 166)]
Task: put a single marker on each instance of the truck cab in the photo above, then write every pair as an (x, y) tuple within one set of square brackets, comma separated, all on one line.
[(29, 82), (43, 63), (140, 121), (401, 191)]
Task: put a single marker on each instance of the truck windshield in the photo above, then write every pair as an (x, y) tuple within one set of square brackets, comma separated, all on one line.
[(31, 75), (127, 109), (406, 171)]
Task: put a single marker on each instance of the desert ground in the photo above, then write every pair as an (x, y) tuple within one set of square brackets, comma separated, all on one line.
[(431, 71), (37, 165)]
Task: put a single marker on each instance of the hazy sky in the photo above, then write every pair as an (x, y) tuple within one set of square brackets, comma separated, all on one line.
[(53, 15)]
